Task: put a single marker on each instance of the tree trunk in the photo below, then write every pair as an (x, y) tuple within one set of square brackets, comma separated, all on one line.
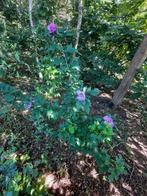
[(80, 10), (30, 15), (32, 25), (138, 59)]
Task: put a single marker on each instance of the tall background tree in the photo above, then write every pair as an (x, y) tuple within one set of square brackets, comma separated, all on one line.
[(138, 59)]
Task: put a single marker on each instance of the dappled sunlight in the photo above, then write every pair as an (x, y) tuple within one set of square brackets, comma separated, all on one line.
[(13, 155), (57, 185), (141, 148), (24, 93), (139, 155), (3, 138), (113, 190), (105, 96), (25, 112), (73, 98), (93, 173), (128, 188)]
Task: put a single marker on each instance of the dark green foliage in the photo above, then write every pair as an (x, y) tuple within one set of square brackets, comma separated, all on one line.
[(110, 36), (38, 100)]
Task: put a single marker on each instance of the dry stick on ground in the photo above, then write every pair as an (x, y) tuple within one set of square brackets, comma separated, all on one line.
[(32, 24), (80, 11), (137, 61)]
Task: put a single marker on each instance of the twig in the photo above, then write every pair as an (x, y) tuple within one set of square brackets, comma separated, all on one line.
[(62, 51), (117, 145), (132, 171)]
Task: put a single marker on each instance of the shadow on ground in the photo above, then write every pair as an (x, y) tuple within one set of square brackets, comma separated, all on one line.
[(71, 173), (134, 149)]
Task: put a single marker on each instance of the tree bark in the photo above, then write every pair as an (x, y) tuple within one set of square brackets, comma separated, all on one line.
[(30, 15), (32, 25), (138, 59), (80, 10)]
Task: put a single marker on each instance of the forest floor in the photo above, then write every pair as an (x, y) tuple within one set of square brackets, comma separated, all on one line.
[(81, 176), (73, 173), (134, 149)]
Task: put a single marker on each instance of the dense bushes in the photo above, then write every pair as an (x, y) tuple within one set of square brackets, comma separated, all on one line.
[(58, 103)]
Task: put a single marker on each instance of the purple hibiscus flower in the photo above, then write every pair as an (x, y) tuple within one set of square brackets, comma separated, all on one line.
[(29, 105), (52, 28), (109, 120), (80, 95)]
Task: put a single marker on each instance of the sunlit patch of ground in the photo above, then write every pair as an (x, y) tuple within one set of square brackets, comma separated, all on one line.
[(133, 126)]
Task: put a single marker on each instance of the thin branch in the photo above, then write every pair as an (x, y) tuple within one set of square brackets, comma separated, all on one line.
[(30, 15), (62, 51), (32, 24), (80, 11)]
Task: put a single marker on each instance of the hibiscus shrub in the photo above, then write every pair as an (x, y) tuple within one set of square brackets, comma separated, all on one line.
[(60, 108), (70, 106)]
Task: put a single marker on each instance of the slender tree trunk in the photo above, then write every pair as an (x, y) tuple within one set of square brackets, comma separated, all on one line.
[(138, 59), (32, 24), (30, 15), (80, 10)]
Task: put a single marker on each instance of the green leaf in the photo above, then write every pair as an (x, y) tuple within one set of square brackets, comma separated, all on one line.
[(17, 56), (94, 92), (8, 193), (9, 98), (51, 114), (71, 129), (2, 73), (75, 65), (57, 61), (78, 142), (70, 49), (52, 48), (87, 106), (4, 110)]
